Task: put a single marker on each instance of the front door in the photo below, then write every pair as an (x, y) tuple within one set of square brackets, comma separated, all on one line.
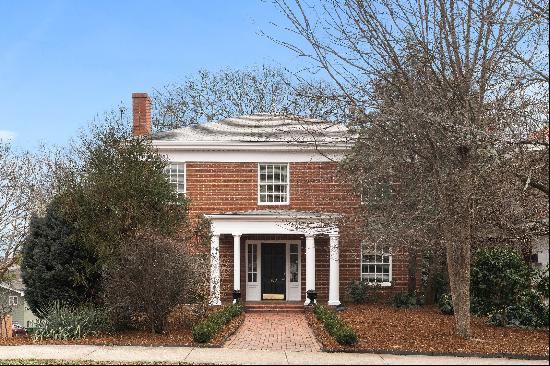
[(273, 271)]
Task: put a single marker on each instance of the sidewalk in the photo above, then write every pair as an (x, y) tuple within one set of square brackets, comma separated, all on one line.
[(233, 356)]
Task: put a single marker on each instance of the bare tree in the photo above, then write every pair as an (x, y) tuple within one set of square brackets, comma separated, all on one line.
[(211, 96), (23, 190), (445, 94)]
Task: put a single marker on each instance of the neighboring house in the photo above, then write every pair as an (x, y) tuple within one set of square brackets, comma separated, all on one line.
[(277, 204), (12, 295)]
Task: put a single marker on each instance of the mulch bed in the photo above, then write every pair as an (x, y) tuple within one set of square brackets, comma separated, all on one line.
[(382, 328), (180, 337)]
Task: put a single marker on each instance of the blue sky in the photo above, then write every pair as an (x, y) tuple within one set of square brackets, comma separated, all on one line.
[(64, 62)]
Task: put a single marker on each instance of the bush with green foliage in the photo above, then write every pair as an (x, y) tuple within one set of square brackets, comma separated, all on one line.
[(208, 328), (114, 189), (445, 304), (406, 300), (66, 322), (342, 332), (529, 312), (358, 291), (364, 291), (541, 282), (499, 277), (54, 267)]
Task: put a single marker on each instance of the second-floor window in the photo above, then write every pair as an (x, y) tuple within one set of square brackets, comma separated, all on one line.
[(13, 301), (273, 183), (175, 172)]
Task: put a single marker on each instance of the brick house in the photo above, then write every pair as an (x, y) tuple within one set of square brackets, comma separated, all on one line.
[(278, 206)]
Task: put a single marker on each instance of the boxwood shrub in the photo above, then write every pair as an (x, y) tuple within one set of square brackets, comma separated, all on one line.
[(208, 328), (335, 326)]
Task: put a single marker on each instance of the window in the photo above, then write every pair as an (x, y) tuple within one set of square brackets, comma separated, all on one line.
[(252, 263), (376, 265), (13, 301), (273, 183), (175, 173), (293, 265)]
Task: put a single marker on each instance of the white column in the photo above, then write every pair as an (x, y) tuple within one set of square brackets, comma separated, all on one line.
[(215, 270), (334, 275), (237, 262), (310, 264)]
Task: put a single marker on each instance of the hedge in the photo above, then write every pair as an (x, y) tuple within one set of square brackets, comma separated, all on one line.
[(335, 326), (207, 329)]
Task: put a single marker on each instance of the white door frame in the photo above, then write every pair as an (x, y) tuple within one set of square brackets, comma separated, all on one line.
[(254, 290)]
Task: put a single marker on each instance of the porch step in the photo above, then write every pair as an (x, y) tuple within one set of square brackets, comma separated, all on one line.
[(280, 308)]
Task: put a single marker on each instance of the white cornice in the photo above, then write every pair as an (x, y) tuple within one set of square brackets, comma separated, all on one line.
[(249, 146)]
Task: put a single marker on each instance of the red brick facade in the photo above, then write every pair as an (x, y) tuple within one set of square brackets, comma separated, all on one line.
[(216, 188)]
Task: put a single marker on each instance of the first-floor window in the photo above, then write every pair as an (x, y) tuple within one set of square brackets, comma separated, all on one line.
[(376, 264), (12, 301)]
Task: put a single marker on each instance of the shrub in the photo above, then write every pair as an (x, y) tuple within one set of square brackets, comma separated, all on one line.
[(541, 282), (404, 300), (153, 276), (445, 304), (54, 267), (358, 291), (530, 312), (66, 322), (363, 291), (499, 277), (207, 329), (342, 333)]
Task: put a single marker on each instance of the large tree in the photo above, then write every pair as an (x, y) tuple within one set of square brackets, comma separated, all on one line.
[(25, 183), (211, 96), (446, 95)]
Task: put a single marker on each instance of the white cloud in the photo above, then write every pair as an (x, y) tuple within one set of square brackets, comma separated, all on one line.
[(6, 135)]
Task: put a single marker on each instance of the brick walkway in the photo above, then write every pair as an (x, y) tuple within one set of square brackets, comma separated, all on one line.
[(274, 332)]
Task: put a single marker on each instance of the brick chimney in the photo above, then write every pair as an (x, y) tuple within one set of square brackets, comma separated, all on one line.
[(141, 110)]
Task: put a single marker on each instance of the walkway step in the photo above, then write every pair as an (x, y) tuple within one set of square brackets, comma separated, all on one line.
[(281, 308)]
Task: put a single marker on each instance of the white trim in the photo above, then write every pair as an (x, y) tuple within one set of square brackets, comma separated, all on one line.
[(251, 156), (252, 146), (270, 224), (287, 186)]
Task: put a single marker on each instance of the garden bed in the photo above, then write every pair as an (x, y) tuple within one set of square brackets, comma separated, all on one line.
[(382, 328), (179, 337)]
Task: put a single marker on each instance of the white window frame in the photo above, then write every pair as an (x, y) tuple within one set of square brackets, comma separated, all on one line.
[(167, 172), (390, 262), (13, 301), (287, 185)]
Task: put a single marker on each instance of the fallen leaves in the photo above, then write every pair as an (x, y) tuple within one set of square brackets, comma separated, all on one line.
[(179, 337), (384, 328)]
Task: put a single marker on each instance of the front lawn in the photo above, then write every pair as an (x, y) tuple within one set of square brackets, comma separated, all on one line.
[(425, 330)]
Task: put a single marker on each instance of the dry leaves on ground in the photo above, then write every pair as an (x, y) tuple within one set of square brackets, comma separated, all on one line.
[(181, 337), (384, 328)]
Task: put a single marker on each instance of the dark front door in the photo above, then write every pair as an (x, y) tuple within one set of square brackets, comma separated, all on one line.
[(273, 271)]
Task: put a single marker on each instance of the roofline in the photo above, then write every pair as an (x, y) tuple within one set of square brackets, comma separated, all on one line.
[(252, 146), (20, 292)]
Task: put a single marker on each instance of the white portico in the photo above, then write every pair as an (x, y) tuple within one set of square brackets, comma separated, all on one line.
[(274, 264)]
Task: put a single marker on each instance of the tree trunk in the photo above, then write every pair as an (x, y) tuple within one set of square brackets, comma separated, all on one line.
[(458, 263), (413, 267)]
